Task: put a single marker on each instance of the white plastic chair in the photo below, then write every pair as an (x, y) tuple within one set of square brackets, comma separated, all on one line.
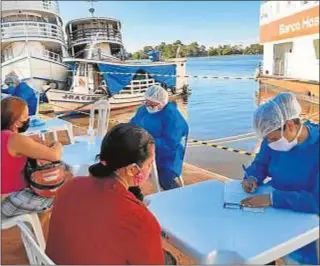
[(155, 177), (34, 252), (31, 218), (185, 143), (103, 108)]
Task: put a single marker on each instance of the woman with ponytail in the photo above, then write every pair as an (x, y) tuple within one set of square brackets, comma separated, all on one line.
[(96, 219)]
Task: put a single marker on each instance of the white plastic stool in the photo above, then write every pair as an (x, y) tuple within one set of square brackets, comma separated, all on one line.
[(34, 252), (103, 109), (155, 177), (32, 219)]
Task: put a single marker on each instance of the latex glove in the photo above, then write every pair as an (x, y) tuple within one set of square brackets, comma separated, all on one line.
[(249, 184), (258, 201)]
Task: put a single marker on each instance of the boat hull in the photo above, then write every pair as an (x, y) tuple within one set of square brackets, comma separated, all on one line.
[(64, 101), (37, 72)]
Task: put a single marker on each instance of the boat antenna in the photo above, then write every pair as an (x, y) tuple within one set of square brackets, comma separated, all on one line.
[(92, 9)]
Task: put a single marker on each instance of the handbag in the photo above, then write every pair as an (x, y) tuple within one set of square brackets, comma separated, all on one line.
[(45, 178)]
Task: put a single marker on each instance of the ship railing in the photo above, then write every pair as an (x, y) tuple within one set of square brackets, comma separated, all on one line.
[(47, 6), (87, 35), (30, 29), (96, 54), (138, 86), (46, 54), (268, 11)]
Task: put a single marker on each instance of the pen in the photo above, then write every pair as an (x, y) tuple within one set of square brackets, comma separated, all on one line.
[(246, 176), (245, 171)]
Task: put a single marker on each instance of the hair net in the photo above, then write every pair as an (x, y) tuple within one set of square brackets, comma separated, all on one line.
[(273, 114), (157, 94), (11, 78)]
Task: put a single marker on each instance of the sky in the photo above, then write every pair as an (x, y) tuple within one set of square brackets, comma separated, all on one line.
[(151, 22)]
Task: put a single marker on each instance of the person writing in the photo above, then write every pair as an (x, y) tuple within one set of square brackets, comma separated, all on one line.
[(165, 123), (289, 154), (96, 220), (15, 149)]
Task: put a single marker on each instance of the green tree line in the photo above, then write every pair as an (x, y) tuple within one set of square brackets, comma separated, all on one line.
[(178, 49)]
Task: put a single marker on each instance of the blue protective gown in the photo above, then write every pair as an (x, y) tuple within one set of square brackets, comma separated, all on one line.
[(168, 127), (295, 178), (9, 90), (24, 91)]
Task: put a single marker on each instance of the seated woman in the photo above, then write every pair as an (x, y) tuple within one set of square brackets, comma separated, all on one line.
[(289, 154), (96, 220), (168, 127), (15, 149)]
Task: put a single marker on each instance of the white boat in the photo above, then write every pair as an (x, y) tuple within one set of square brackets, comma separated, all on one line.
[(289, 32), (95, 43), (32, 43)]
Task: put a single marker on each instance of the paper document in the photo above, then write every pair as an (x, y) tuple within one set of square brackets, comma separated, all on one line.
[(234, 193)]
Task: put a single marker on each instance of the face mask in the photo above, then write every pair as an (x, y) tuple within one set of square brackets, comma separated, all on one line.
[(152, 110), (24, 127), (140, 178), (283, 144)]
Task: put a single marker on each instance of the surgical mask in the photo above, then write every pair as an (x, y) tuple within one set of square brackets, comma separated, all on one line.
[(152, 110), (10, 85), (283, 144), (25, 126), (140, 178), (11, 88)]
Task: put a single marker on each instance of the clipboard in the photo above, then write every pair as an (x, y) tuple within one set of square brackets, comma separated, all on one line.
[(233, 194)]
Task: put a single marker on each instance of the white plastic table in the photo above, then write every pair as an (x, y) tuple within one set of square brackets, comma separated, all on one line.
[(194, 220), (79, 156), (4, 95), (52, 125)]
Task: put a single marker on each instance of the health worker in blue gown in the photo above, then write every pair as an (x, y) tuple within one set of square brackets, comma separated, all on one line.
[(22, 90), (289, 154), (165, 123)]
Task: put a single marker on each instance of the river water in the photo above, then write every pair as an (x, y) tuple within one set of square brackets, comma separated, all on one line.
[(222, 108)]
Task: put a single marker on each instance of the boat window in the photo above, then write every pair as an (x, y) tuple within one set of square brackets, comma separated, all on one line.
[(316, 47)]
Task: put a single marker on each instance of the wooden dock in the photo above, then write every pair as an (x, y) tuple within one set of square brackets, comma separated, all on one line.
[(298, 87)]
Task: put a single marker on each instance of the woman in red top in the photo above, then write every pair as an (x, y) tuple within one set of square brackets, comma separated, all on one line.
[(96, 220), (15, 149)]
